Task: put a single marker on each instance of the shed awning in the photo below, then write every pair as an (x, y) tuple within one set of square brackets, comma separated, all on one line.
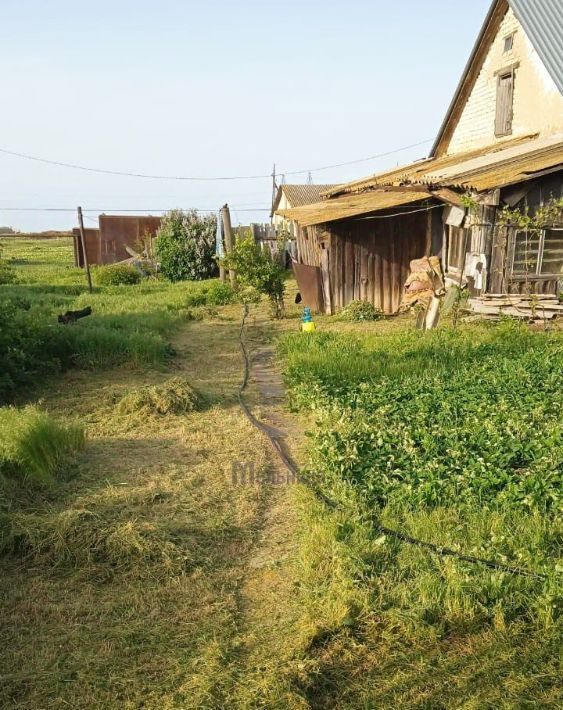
[(506, 163), (352, 205)]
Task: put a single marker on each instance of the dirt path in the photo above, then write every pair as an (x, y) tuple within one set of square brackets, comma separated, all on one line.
[(268, 615)]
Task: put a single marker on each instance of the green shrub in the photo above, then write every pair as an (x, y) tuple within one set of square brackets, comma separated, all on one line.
[(198, 298), (358, 311), (34, 447), (185, 246), (220, 294), (117, 275), (29, 346), (217, 294), (175, 396), (256, 268)]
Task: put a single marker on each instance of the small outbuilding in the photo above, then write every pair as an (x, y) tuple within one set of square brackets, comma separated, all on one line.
[(108, 244)]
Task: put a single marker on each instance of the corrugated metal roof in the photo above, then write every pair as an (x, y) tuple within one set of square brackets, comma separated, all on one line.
[(483, 169), (542, 21), (352, 205), (299, 195)]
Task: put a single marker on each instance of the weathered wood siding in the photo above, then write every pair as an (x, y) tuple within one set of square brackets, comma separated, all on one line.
[(308, 246), (369, 259)]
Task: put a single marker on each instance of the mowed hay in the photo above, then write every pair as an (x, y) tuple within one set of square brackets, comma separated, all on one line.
[(83, 539), (34, 447), (175, 396)]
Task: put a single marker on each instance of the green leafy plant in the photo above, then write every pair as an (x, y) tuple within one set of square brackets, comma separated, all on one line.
[(117, 275), (185, 246), (256, 268), (220, 294), (358, 311)]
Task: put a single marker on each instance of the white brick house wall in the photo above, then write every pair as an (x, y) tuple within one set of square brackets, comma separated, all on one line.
[(538, 104)]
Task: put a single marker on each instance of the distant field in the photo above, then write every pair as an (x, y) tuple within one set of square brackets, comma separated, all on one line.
[(50, 234), (41, 259)]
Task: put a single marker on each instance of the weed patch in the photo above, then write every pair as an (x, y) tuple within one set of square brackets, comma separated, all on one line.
[(34, 447), (455, 438)]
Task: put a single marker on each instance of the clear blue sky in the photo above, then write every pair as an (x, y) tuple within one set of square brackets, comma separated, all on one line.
[(216, 88)]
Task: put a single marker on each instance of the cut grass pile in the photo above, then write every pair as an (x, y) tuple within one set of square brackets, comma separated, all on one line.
[(34, 447), (175, 396), (455, 438)]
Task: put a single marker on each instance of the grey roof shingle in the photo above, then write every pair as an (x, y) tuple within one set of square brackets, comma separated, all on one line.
[(299, 195)]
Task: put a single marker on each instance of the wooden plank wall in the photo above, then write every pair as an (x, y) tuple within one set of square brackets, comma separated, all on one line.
[(369, 259), (308, 245)]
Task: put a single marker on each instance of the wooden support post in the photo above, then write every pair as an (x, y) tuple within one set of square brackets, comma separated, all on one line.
[(83, 242), (220, 228), (229, 243)]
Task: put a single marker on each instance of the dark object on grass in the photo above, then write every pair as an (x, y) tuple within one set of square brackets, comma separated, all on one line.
[(298, 298), (73, 316)]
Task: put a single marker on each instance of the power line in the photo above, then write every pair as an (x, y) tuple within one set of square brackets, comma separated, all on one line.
[(106, 211), (360, 160), (124, 173)]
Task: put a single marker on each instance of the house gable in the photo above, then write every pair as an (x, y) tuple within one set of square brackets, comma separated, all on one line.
[(527, 103)]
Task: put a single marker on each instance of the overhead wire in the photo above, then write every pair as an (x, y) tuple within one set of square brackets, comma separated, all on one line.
[(99, 210), (125, 173)]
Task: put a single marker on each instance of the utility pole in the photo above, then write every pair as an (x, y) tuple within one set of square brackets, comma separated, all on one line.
[(274, 192), (229, 242), (83, 242), (220, 249)]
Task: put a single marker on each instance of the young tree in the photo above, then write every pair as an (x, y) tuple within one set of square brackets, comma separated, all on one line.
[(256, 268), (185, 246)]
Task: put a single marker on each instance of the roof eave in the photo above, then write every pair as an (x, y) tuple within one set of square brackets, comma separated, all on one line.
[(474, 52)]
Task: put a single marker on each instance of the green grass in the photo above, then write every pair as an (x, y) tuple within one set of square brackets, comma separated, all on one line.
[(131, 325), (142, 578), (34, 447), (456, 438)]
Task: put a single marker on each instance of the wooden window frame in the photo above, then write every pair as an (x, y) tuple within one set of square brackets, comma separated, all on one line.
[(537, 274), (506, 39), (502, 74)]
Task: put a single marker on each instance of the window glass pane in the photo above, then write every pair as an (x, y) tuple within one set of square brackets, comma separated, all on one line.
[(526, 245), (552, 262)]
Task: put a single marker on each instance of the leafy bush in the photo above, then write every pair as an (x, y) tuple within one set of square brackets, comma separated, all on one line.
[(358, 311), (175, 396), (33, 446), (117, 275), (220, 294), (28, 346), (185, 246), (256, 268)]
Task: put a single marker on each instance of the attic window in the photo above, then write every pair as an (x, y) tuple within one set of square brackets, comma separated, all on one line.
[(505, 100), (509, 42)]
